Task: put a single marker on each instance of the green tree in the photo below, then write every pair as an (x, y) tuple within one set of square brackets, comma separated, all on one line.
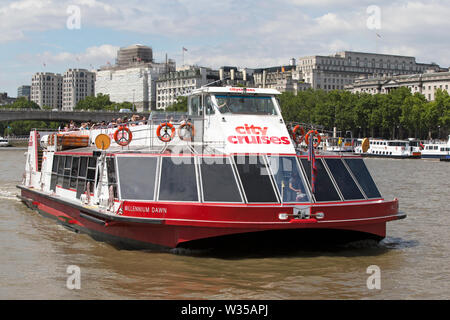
[(179, 106)]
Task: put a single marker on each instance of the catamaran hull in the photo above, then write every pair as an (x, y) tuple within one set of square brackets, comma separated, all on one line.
[(184, 224)]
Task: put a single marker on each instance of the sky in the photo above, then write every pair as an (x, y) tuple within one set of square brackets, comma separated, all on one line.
[(55, 35)]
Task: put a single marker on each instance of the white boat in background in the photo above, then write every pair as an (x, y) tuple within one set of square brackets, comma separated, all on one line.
[(4, 142), (338, 144), (437, 150), (381, 148)]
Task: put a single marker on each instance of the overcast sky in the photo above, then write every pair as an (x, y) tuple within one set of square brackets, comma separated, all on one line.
[(54, 35)]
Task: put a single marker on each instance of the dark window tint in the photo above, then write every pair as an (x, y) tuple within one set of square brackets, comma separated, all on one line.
[(53, 182), (137, 177), (59, 181), (91, 174), (363, 177), (66, 182), (92, 162), (83, 166), (81, 187), (178, 180), (73, 183), (68, 162), (75, 163), (111, 170), (289, 179), (61, 165), (55, 164), (344, 180), (324, 188), (255, 179), (218, 181)]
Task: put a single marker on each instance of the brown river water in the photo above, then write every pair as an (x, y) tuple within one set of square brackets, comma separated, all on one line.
[(413, 260)]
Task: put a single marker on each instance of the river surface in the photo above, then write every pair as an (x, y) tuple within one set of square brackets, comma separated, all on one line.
[(413, 260)]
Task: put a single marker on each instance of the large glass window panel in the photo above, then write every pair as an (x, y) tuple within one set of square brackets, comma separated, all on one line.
[(111, 170), (255, 179), (83, 166), (92, 162), (55, 164), (61, 164), (81, 187), (53, 182), (362, 175), (219, 183), (137, 177), (344, 180), (324, 189), (68, 162), (288, 178), (75, 163), (178, 180)]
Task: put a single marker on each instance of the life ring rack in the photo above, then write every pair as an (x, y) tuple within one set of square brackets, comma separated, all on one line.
[(316, 133), (298, 138), (165, 137), (124, 140), (189, 126)]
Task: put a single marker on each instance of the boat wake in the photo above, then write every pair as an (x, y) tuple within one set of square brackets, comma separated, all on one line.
[(8, 194)]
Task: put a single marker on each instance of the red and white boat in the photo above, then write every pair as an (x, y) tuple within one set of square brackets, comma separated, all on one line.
[(227, 169)]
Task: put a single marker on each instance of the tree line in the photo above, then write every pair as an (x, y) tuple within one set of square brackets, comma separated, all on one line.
[(398, 114)]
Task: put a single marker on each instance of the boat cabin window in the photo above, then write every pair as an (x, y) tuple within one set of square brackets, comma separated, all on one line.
[(194, 105), (344, 180), (218, 180), (112, 178), (362, 175), (243, 104), (324, 187), (178, 179), (137, 176), (255, 179), (209, 105), (289, 179)]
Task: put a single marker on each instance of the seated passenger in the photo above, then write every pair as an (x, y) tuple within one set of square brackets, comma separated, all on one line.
[(296, 185)]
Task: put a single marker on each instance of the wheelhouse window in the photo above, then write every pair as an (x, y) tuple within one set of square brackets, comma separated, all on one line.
[(137, 176), (324, 189), (218, 180), (344, 180), (289, 179), (362, 175), (239, 104), (178, 180), (255, 179)]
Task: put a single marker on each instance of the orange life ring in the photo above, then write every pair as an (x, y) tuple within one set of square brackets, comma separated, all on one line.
[(165, 137), (302, 134), (319, 138), (189, 126), (124, 140)]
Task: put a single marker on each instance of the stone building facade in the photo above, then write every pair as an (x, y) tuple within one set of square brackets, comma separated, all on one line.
[(77, 85), (426, 83), (46, 89), (341, 69)]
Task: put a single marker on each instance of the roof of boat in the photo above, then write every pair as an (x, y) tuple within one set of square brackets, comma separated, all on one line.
[(230, 89)]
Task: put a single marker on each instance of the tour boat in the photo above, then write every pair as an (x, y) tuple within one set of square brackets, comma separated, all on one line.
[(380, 148), (4, 142), (436, 150), (228, 169)]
